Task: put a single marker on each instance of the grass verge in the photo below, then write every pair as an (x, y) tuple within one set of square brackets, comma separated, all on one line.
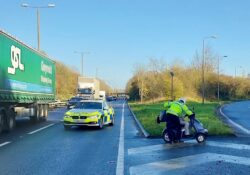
[(147, 113)]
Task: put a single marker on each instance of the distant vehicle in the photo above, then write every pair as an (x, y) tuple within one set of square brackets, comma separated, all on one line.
[(27, 82), (57, 103), (111, 98), (73, 101), (102, 95), (90, 113), (88, 88)]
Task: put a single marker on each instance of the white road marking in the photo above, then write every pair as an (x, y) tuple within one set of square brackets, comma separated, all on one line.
[(161, 167), (33, 132), (229, 145), (5, 143), (246, 131), (120, 158), (160, 147)]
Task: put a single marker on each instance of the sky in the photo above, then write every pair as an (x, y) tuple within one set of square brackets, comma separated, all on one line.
[(121, 33)]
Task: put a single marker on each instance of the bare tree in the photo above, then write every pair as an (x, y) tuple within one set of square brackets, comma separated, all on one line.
[(140, 71)]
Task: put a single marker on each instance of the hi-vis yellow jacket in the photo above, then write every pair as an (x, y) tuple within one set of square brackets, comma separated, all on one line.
[(177, 108)]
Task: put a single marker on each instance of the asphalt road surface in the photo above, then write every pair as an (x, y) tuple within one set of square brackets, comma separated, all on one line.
[(46, 148), (238, 116)]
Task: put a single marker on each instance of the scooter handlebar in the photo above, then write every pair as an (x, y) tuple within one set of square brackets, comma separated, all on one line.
[(191, 116)]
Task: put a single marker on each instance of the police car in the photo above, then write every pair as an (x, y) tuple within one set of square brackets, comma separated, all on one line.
[(89, 113)]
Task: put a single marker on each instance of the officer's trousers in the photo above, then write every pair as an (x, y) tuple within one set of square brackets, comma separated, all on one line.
[(173, 127)]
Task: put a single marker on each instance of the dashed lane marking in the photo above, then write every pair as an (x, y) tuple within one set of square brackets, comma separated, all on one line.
[(5, 143), (33, 132), (161, 167)]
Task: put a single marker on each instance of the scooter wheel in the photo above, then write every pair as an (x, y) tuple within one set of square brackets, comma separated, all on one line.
[(165, 136), (200, 138)]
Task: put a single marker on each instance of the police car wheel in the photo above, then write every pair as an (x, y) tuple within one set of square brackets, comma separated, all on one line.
[(112, 121), (100, 124)]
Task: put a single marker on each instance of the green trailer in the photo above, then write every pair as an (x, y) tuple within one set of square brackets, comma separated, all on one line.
[(27, 82)]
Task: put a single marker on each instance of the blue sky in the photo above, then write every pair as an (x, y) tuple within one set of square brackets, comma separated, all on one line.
[(121, 33)]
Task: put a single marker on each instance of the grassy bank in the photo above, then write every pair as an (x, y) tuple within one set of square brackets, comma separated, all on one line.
[(146, 114)]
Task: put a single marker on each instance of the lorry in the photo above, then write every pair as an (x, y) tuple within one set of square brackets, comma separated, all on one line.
[(102, 95), (27, 82), (88, 88)]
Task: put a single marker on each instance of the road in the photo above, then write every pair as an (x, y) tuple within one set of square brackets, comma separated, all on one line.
[(46, 148), (237, 114), (55, 151)]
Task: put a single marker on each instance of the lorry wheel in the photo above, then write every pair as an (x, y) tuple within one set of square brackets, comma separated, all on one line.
[(44, 112), (37, 113), (10, 121), (1, 121)]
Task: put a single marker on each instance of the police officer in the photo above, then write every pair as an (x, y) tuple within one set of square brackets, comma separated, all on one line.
[(174, 111)]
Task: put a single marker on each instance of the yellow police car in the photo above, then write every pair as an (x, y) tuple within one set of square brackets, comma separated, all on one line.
[(89, 113)]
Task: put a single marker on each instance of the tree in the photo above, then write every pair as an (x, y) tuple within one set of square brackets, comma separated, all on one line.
[(153, 81)]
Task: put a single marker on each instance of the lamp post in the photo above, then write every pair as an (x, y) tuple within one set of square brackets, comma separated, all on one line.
[(203, 65), (82, 53), (38, 18), (218, 88), (172, 85)]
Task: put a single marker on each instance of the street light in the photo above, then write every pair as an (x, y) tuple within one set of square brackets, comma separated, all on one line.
[(203, 62), (38, 18), (82, 53), (218, 89), (172, 85)]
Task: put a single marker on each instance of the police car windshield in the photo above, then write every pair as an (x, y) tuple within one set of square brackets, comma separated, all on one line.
[(89, 105)]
